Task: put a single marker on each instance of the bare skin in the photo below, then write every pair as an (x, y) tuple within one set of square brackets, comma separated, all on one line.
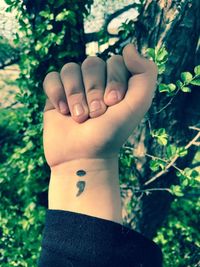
[(91, 140)]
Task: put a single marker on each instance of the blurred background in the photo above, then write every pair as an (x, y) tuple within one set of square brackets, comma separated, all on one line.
[(159, 164)]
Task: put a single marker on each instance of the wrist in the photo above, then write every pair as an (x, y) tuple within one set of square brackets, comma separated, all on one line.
[(94, 192), (90, 165)]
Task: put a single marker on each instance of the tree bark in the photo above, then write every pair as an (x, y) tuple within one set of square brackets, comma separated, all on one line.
[(175, 24)]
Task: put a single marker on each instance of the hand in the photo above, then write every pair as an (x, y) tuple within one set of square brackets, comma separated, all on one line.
[(100, 136), (86, 91)]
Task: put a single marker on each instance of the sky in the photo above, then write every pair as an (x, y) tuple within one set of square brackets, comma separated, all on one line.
[(8, 24), (2, 3)]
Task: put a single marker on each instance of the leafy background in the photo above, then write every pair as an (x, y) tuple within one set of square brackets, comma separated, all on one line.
[(49, 34)]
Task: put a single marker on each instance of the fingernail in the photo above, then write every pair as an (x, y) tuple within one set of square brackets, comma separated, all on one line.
[(78, 110), (95, 105), (113, 96), (63, 107)]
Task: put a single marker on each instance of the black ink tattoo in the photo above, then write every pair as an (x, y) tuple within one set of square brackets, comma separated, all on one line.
[(81, 173), (81, 187), (80, 184)]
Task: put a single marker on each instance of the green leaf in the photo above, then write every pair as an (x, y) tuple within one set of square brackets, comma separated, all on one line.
[(179, 84), (195, 82), (38, 46), (194, 174), (161, 131), (176, 190), (171, 151), (66, 15), (51, 68), (151, 53), (172, 87), (44, 14), (197, 70), (180, 174), (9, 2), (161, 54), (182, 152), (162, 140), (161, 136), (186, 77), (185, 182), (163, 88), (61, 16), (9, 9), (185, 89), (156, 165), (49, 27), (17, 39), (161, 68)]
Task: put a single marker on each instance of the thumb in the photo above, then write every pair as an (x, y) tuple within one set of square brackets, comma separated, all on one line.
[(142, 84), (134, 62)]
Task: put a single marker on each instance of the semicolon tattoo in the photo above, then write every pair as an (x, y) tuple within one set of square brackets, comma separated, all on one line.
[(80, 184), (81, 187), (81, 173)]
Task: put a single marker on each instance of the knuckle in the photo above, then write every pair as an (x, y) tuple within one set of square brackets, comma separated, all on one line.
[(69, 67), (74, 90), (91, 61), (116, 85), (115, 59), (48, 77), (54, 92), (94, 92)]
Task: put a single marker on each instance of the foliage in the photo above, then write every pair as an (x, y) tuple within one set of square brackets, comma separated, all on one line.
[(43, 37), (48, 37), (179, 235), (7, 52)]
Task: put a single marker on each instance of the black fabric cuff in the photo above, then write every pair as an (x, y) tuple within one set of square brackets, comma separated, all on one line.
[(79, 240)]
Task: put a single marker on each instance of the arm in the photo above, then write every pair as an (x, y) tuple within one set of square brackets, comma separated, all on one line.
[(82, 152), (93, 145), (94, 192)]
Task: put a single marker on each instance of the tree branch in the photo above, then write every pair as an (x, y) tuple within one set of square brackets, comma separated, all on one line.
[(10, 62), (195, 165), (164, 160), (117, 13), (12, 105), (137, 190), (91, 37), (94, 36), (171, 164), (194, 128)]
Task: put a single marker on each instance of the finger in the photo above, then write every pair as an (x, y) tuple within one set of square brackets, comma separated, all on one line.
[(55, 92), (71, 77), (117, 80), (48, 105), (142, 84), (93, 72)]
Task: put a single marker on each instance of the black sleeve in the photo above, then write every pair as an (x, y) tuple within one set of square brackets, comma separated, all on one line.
[(77, 240)]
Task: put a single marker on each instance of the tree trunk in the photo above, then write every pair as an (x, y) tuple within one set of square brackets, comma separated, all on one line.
[(175, 24)]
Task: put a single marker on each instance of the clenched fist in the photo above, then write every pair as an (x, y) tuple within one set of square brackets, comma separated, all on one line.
[(92, 109)]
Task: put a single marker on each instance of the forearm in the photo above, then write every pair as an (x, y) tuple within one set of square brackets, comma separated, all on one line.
[(96, 193), (84, 228)]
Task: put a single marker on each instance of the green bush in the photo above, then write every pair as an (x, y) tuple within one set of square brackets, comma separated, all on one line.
[(44, 45), (179, 236), (24, 174)]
